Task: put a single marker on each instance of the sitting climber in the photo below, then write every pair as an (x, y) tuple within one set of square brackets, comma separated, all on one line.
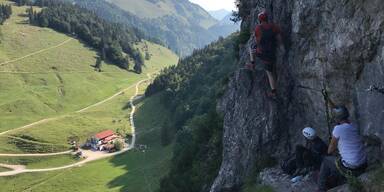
[(309, 158), (306, 158), (345, 139), (267, 36)]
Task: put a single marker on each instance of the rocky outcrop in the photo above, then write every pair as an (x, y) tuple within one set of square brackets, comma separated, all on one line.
[(248, 126), (338, 44), (281, 182)]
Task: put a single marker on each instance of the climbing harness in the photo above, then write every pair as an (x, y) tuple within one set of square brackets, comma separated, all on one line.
[(342, 170), (351, 175), (348, 174)]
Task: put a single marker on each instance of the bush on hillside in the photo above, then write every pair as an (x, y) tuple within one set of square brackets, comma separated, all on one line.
[(119, 145), (5, 13)]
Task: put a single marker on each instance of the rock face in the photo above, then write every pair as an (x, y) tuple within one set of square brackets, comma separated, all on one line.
[(337, 44), (282, 182)]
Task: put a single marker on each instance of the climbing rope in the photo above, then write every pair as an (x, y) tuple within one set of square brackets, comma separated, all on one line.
[(325, 94), (327, 112)]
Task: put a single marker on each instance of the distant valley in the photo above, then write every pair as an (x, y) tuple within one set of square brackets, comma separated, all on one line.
[(180, 25)]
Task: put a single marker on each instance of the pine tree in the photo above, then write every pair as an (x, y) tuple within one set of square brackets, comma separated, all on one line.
[(2, 18), (31, 15), (98, 64), (5, 13), (139, 61)]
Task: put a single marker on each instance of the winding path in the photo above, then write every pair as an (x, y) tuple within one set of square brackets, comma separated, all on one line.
[(33, 124), (35, 154), (79, 111), (37, 52), (90, 155)]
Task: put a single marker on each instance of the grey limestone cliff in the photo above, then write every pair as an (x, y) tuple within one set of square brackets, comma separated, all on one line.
[(338, 44)]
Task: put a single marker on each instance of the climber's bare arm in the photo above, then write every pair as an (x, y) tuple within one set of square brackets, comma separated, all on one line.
[(333, 146), (251, 54)]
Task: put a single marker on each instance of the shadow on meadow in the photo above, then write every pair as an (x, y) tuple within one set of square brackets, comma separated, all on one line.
[(148, 162)]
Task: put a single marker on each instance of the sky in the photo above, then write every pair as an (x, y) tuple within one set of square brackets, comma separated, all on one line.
[(212, 5)]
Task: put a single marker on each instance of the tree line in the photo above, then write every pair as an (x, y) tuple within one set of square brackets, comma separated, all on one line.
[(23, 2), (115, 42), (113, 13), (5, 13), (191, 91)]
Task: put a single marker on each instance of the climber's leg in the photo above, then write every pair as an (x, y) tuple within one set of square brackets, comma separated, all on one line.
[(299, 156), (268, 67), (271, 79), (328, 169)]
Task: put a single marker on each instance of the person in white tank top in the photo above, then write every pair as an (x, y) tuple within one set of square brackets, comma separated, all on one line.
[(347, 140)]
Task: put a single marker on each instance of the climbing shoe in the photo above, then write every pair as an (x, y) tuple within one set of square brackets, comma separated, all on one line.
[(272, 94), (299, 172)]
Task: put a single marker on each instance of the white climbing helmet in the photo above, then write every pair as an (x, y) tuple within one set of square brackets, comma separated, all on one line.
[(309, 133)]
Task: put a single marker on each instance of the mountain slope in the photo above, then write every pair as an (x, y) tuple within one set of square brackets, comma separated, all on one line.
[(187, 12), (44, 73), (115, 42)]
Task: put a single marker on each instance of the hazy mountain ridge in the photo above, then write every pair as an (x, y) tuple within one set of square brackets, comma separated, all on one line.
[(227, 21), (153, 9), (219, 14), (225, 26), (181, 25)]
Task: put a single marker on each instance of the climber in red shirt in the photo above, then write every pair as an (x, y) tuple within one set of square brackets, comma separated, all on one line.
[(268, 36)]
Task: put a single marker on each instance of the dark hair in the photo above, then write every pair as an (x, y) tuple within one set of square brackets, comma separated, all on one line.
[(340, 113)]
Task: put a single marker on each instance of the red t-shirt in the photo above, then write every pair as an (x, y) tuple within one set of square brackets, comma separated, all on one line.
[(258, 31)]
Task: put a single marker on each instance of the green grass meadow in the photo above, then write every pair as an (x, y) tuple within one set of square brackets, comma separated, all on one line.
[(132, 171), (58, 81), (39, 162)]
